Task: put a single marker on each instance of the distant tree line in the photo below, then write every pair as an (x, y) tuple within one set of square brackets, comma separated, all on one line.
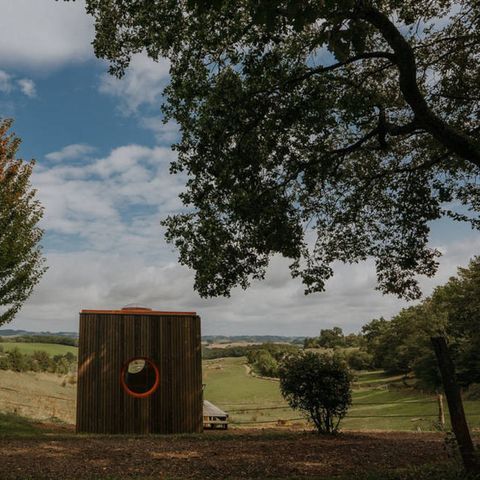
[(212, 353), (402, 345), (209, 353), (57, 339), (265, 359), (346, 348), (333, 338), (209, 339), (38, 361)]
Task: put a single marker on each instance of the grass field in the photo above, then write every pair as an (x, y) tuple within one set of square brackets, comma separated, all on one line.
[(50, 348), (55, 452), (379, 401), (40, 396)]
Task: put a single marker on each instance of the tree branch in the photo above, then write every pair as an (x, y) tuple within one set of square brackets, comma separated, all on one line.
[(348, 61), (329, 68), (454, 140)]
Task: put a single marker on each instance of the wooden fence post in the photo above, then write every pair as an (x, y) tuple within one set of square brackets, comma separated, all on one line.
[(455, 405), (441, 411)]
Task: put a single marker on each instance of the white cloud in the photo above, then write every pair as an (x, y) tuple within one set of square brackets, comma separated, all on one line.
[(27, 86), (9, 83), (41, 34), (164, 132), (5, 82), (142, 84), (105, 213), (71, 152), (111, 203), (128, 261), (90, 279)]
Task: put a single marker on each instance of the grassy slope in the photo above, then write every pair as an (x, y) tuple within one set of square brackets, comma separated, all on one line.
[(50, 348), (229, 386), (37, 395), (227, 382)]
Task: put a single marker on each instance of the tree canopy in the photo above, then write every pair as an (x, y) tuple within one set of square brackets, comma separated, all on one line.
[(320, 130), (21, 261), (402, 344)]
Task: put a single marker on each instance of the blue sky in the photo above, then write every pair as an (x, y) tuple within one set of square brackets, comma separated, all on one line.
[(102, 157)]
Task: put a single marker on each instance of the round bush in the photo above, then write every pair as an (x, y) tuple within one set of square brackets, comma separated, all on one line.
[(319, 385)]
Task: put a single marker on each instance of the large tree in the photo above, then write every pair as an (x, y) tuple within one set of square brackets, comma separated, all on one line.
[(21, 261), (322, 130)]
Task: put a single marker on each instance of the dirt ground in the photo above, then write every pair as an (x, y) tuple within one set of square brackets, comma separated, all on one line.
[(238, 454)]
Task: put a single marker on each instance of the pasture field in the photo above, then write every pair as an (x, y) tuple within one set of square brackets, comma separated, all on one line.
[(380, 402), (50, 348)]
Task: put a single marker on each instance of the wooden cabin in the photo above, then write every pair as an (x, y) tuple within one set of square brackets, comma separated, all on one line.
[(213, 417), (139, 371)]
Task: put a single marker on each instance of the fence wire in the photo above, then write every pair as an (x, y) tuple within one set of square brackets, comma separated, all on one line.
[(417, 416)]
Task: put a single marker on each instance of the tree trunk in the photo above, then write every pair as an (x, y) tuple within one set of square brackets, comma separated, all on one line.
[(455, 405)]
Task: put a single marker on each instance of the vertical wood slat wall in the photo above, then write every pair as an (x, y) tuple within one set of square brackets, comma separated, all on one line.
[(109, 340)]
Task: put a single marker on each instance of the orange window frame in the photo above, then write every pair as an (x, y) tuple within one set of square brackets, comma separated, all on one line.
[(131, 392)]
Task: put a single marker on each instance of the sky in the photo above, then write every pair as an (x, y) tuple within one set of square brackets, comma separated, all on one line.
[(102, 156)]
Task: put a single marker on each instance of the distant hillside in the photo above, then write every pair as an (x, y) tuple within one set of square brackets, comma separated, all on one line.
[(251, 339), (7, 332)]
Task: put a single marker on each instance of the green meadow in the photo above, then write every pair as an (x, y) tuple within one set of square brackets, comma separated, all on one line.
[(50, 348), (380, 402)]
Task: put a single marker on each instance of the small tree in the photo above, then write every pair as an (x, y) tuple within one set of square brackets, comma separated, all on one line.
[(331, 337), (18, 361), (360, 360), (320, 385), (21, 261), (266, 364), (43, 360)]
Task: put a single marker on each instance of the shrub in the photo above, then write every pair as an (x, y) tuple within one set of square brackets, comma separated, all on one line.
[(473, 392), (263, 363), (5, 363), (319, 385), (360, 360), (18, 361), (43, 360), (62, 366), (38, 361)]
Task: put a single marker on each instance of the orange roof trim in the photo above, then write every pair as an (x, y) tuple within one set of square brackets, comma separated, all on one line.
[(141, 311)]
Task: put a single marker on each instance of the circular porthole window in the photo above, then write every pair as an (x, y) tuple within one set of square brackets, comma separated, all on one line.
[(140, 377)]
